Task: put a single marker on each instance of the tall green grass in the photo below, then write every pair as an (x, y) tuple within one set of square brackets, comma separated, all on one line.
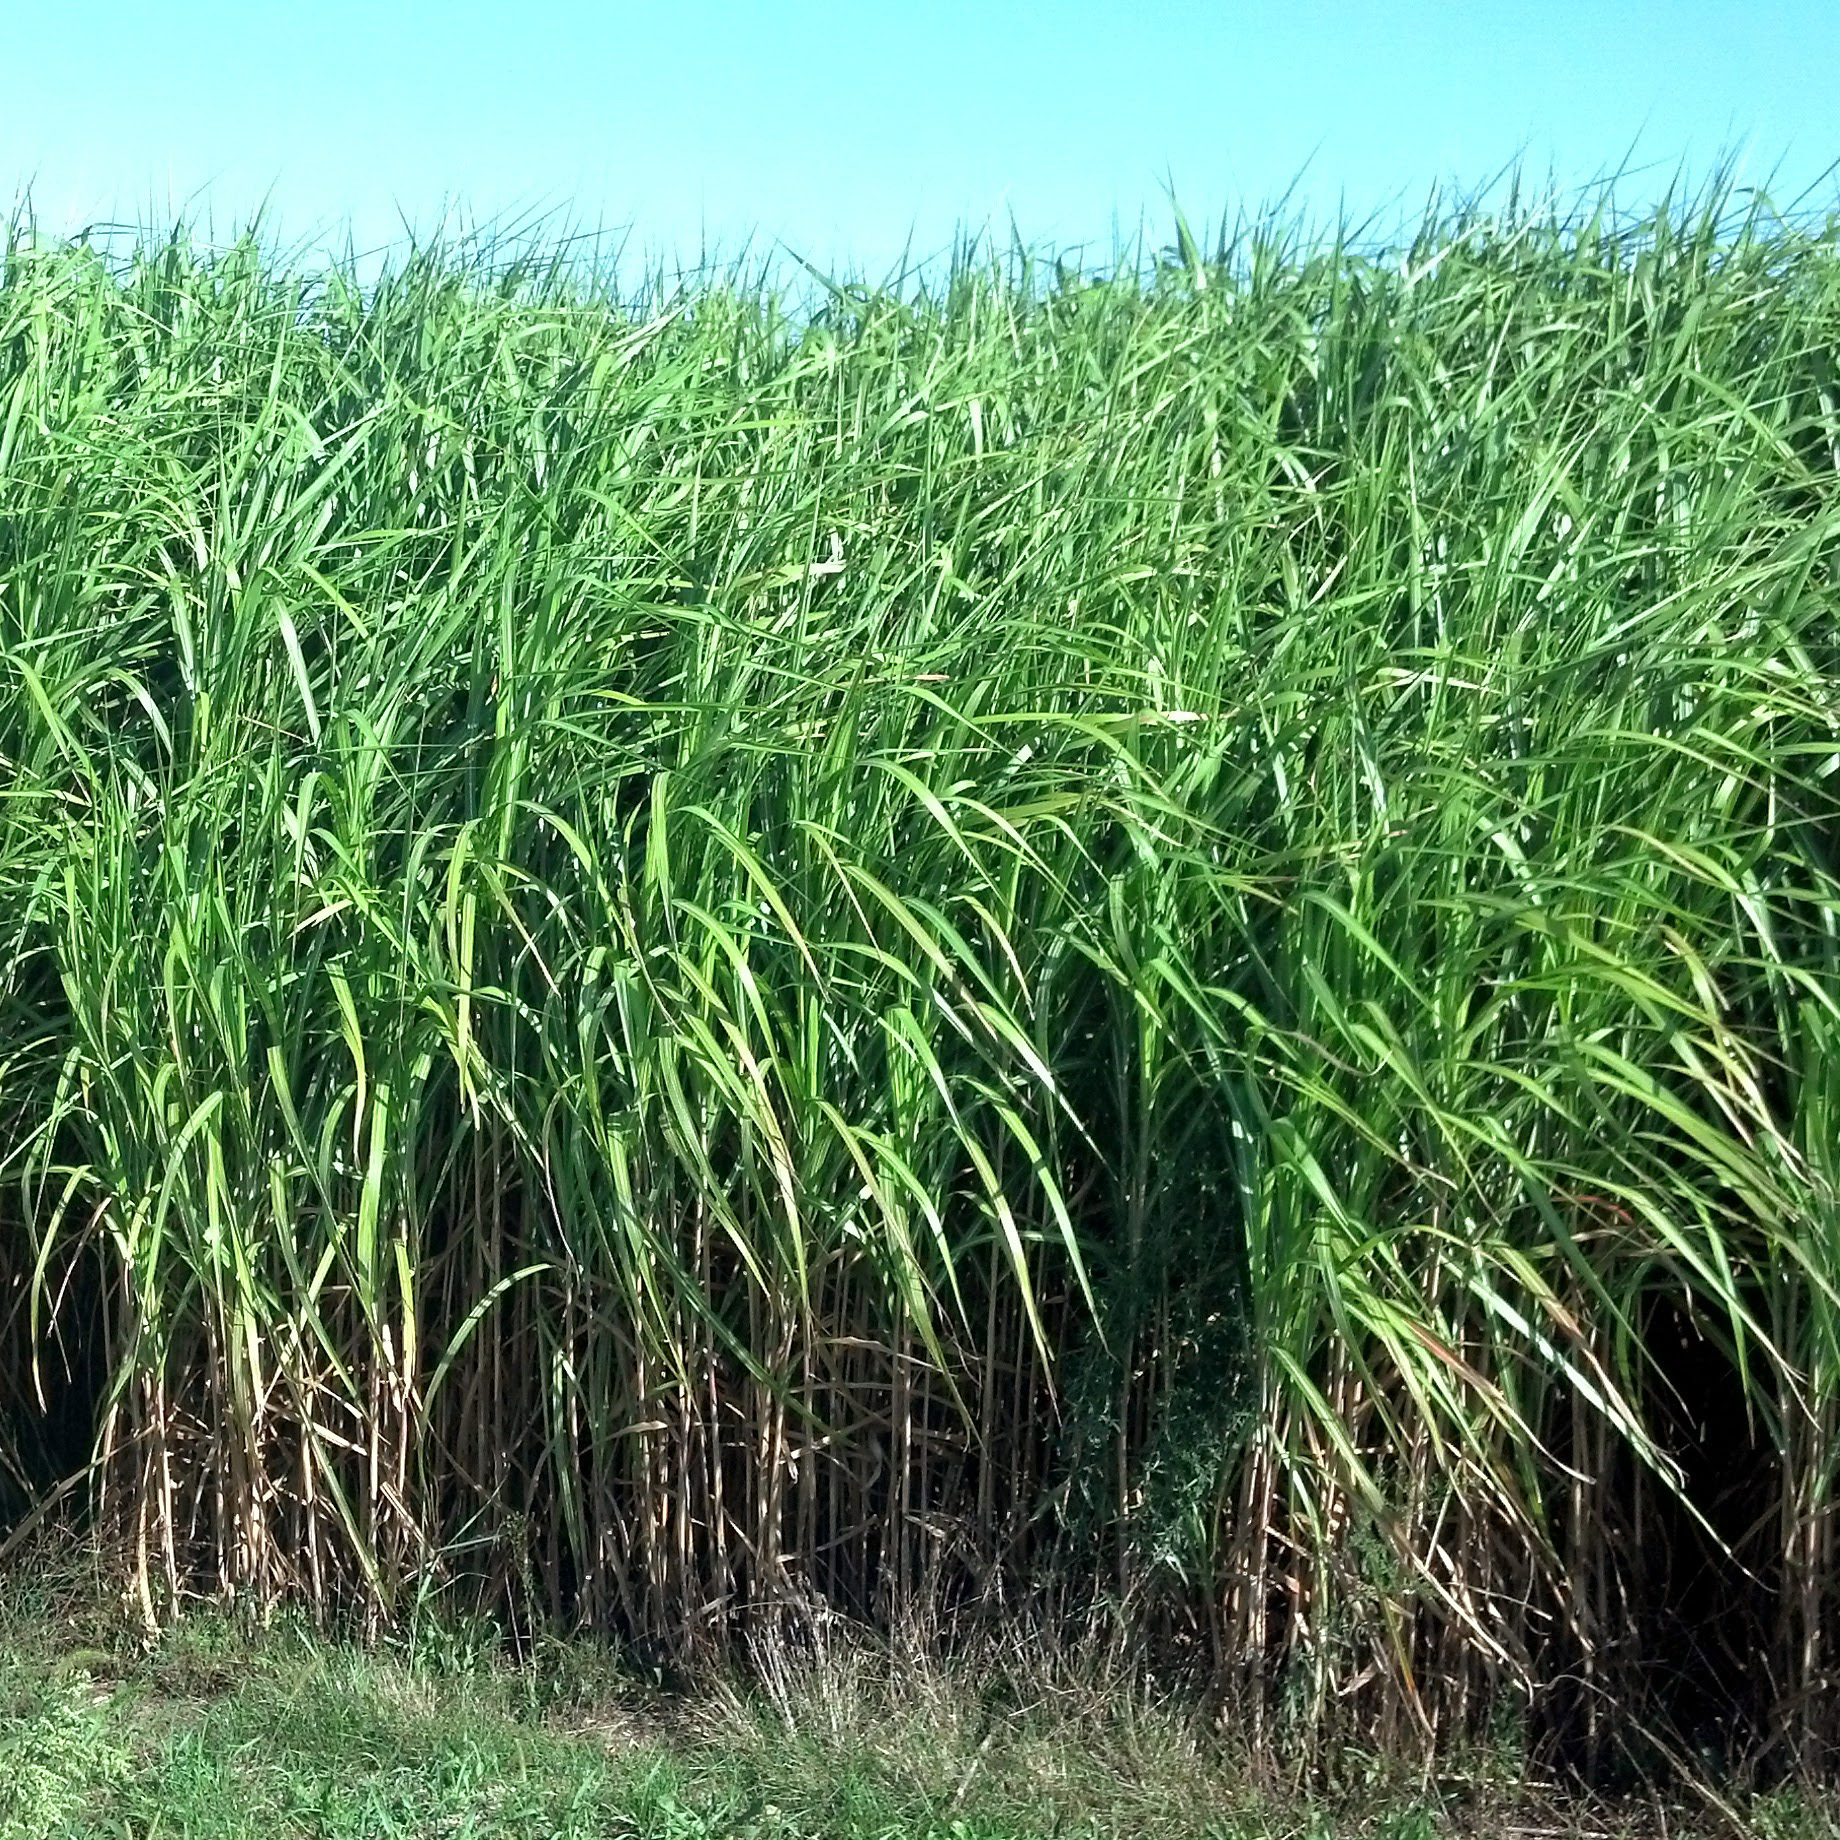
[(1150, 938)]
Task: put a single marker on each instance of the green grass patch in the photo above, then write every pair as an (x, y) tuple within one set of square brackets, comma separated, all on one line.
[(220, 1731)]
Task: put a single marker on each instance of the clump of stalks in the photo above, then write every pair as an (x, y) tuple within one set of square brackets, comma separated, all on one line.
[(666, 959)]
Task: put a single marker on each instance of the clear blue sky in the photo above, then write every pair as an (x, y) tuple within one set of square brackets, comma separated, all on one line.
[(842, 129)]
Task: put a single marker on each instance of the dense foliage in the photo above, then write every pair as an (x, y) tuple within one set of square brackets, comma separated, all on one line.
[(1170, 936)]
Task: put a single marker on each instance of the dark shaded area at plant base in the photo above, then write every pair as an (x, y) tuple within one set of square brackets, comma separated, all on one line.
[(1700, 1587), (1162, 946)]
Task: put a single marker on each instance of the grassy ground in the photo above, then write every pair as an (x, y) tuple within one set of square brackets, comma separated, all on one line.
[(217, 1730)]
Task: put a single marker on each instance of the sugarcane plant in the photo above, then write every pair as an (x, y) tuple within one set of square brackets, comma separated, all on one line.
[(680, 954)]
